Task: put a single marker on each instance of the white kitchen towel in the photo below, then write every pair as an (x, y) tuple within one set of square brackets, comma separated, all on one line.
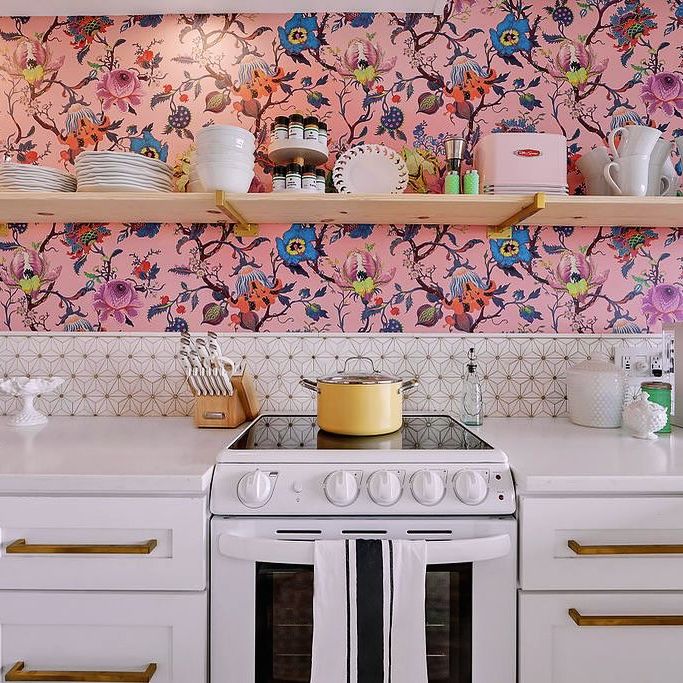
[(369, 612)]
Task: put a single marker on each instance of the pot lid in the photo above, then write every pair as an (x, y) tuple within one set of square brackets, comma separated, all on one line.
[(359, 378), (374, 377)]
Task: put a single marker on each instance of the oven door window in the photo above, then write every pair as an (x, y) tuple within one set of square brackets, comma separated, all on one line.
[(284, 623)]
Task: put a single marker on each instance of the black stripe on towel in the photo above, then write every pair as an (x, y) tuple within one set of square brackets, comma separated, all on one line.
[(391, 599), (370, 602), (348, 615)]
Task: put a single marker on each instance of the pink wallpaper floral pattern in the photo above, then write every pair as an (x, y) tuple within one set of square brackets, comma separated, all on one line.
[(146, 83)]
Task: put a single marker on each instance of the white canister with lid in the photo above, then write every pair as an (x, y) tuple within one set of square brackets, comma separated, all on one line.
[(595, 393)]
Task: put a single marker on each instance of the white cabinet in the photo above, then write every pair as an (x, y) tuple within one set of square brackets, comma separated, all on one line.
[(162, 634), (601, 543), (554, 649), (83, 543)]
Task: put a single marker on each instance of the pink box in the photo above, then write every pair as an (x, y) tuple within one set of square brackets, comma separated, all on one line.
[(522, 159)]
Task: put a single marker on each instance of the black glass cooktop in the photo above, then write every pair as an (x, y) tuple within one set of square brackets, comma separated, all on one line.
[(297, 432)]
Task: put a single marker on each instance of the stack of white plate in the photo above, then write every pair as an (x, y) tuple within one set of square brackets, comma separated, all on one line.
[(526, 189), (121, 172), (26, 178), (224, 159)]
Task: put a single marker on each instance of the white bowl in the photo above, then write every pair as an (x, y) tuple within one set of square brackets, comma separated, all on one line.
[(223, 130), (222, 152), (224, 163), (227, 178)]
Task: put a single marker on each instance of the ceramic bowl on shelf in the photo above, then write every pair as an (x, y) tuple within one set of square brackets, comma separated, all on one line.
[(225, 177), (228, 136)]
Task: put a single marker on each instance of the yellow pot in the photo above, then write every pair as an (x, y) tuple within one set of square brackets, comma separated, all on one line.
[(360, 404)]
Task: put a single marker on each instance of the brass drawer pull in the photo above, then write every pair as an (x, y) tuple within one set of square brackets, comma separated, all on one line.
[(662, 620), (20, 547), (665, 549), (18, 673)]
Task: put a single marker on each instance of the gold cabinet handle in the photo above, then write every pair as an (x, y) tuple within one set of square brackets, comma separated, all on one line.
[(665, 549), (656, 620), (18, 673), (20, 547)]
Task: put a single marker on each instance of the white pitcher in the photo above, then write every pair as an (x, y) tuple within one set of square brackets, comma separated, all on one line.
[(592, 167), (631, 175), (658, 183), (634, 140)]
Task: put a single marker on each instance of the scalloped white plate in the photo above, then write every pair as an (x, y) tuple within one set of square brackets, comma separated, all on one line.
[(370, 169)]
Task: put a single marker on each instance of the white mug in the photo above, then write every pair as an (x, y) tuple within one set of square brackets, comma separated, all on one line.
[(592, 167), (632, 175), (658, 183), (679, 143), (635, 140), (674, 178)]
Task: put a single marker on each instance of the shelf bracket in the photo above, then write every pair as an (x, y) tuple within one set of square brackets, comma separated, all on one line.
[(242, 227), (503, 231)]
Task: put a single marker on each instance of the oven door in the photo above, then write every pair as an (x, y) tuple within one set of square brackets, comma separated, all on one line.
[(262, 595)]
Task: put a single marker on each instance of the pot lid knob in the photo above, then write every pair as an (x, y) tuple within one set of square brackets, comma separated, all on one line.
[(254, 489), (384, 487), (341, 488), (428, 487)]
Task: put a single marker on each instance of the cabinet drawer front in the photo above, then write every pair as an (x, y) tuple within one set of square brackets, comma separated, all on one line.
[(601, 544), (123, 637), (639, 647), (103, 543)]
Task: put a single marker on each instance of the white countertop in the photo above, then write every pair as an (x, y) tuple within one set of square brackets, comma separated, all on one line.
[(168, 456), (553, 456), (124, 455)]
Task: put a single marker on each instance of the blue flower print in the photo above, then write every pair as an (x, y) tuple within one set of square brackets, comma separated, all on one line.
[(511, 36), (297, 245), (299, 34), (149, 146), (507, 253)]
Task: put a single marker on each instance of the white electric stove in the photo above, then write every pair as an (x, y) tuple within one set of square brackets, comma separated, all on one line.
[(283, 483)]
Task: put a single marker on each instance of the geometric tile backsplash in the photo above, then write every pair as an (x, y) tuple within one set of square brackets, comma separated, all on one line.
[(139, 375)]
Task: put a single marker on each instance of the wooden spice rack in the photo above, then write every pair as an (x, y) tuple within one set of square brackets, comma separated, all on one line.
[(248, 211)]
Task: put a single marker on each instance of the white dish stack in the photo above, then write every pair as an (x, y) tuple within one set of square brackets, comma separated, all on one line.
[(121, 172), (27, 178), (224, 160)]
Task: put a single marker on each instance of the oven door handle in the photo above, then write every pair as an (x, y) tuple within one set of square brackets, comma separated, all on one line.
[(301, 552)]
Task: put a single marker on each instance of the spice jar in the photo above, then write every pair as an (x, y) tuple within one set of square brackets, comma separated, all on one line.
[(293, 179), (320, 177), (296, 127), (281, 128), (322, 133), (308, 179), (279, 178), (311, 128)]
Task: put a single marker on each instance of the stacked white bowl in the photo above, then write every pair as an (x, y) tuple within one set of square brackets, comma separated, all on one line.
[(224, 160)]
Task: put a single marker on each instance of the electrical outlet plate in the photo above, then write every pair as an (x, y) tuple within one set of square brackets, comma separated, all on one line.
[(640, 360)]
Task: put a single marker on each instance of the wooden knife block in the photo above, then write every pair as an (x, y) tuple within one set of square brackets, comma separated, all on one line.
[(227, 412)]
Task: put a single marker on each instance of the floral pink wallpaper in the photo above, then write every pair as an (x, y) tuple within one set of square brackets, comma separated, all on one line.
[(148, 83)]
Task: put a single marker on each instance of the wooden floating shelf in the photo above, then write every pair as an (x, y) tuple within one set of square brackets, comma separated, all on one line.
[(490, 210)]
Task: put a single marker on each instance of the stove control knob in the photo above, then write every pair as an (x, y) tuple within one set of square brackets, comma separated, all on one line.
[(341, 488), (470, 487), (384, 487), (254, 489), (427, 487)]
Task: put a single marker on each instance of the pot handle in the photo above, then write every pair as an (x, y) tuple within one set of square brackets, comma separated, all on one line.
[(309, 384), (366, 358), (407, 385)]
